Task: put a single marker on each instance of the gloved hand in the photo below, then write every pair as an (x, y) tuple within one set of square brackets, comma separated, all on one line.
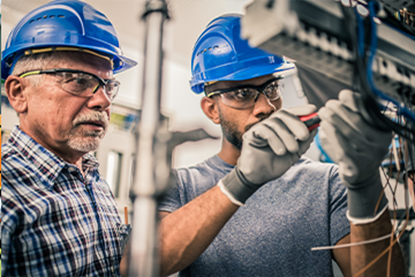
[(269, 149), (358, 148)]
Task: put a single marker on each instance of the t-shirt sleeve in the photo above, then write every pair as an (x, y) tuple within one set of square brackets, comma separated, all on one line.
[(339, 224), (171, 200)]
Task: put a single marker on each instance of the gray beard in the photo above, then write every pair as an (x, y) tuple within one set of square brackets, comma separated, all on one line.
[(86, 141)]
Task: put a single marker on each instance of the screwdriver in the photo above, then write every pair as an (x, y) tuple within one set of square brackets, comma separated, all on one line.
[(312, 121)]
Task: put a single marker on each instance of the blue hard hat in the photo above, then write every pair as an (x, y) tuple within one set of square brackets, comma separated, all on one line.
[(220, 54), (67, 25)]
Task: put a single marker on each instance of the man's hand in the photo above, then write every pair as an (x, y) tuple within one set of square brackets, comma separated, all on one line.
[(359, 149), (269, 149)]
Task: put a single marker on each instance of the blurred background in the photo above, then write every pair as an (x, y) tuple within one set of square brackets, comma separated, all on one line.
[(179, 104), (188, 19)]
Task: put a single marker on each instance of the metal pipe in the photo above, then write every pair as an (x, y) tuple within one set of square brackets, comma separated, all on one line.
[(155, 144), (145, 189)]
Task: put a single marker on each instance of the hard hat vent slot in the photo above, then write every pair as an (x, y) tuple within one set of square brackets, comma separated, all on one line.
[(45, 17), (64, 24), (207, 49)]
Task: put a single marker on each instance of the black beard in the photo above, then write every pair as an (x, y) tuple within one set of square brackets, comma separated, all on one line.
[(234, 137), (231, 133)]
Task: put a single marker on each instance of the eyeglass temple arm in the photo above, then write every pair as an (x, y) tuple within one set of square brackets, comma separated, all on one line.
[(29, 73)]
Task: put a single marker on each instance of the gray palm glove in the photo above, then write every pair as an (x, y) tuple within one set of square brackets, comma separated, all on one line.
[(358, 148), (269, 149)]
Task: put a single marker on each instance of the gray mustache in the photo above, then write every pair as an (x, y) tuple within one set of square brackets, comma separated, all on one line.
[(94, 116)]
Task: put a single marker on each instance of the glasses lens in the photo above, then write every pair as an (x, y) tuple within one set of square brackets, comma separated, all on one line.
[(85, 85), (243, 98), (111, 89), (79, 83), (273, 91), (240, 98)]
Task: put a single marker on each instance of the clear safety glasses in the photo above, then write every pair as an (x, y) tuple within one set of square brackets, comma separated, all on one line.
[(244, 97), (80, 83)]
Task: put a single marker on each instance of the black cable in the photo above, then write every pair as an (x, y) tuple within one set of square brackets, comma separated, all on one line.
[(360, 75)]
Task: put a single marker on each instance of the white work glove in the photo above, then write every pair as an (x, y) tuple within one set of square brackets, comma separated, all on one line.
[(269, 149), (358, 148)]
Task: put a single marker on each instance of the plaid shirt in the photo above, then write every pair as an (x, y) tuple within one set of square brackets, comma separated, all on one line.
[(55, 222)]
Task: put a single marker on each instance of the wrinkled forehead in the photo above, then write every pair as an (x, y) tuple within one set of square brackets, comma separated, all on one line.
[(80, 60)]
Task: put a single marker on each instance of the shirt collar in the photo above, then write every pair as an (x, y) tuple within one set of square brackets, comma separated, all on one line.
[(46, 164)]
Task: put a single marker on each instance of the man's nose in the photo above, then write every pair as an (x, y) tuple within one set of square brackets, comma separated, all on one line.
[(100, 100), (263, 105)]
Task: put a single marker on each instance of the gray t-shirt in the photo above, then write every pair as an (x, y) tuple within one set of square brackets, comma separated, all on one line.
[(272, 235)]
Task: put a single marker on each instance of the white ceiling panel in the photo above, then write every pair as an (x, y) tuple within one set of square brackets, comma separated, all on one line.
[(188, 19)]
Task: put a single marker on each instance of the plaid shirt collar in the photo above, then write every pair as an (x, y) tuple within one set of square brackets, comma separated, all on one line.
[(48, 165)]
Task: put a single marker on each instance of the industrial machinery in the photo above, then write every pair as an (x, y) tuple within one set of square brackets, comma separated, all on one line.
[(366, 46)]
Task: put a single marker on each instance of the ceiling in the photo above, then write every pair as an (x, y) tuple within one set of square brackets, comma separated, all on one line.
[(188, 19)]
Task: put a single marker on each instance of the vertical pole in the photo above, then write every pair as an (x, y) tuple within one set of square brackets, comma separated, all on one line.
[(146, 187)]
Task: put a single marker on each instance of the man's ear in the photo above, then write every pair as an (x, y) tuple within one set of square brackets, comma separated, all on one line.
[(15, 87), (210, 108)]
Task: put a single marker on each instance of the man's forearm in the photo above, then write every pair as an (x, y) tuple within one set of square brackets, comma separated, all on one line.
[(187, 232), (411, 186), (362, 255)]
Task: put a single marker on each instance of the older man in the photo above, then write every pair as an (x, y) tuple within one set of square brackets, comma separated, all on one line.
[(59, 216)]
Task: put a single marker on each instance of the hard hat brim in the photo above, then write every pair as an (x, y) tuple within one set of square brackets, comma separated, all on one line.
[(197, 83)]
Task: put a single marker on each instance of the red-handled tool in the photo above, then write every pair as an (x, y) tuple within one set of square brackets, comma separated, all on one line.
[(312, 121)]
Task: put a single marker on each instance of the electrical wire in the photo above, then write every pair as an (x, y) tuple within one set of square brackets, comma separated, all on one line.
[(319, 248), (373, 33), (393, 228), (398, 230), (358, 28), (396, 224), (393, 242), (363, 35)]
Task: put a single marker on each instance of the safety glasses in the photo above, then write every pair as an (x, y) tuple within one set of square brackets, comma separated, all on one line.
[(80, 83), (244, 97)]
